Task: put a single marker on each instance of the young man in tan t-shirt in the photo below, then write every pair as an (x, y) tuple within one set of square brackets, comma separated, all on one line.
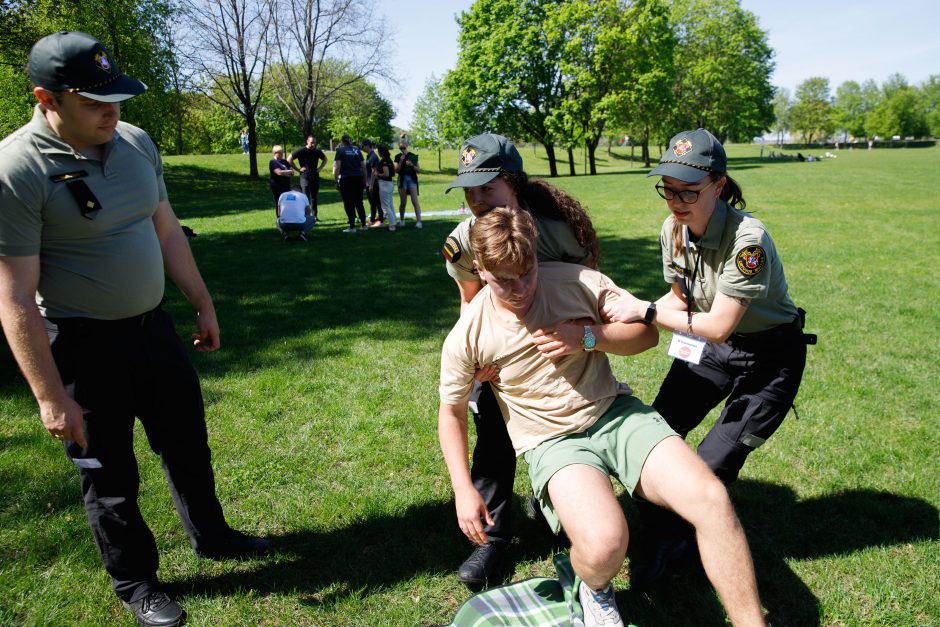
[(573, 422)]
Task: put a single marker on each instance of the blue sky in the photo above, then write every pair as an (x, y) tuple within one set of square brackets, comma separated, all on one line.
[(838, 39)]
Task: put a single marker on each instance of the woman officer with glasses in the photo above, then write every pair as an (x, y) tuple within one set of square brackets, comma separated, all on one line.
[(736, 333)]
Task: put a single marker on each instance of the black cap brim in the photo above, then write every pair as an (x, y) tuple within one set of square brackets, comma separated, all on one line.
[(679, 171), (472, 179), (124, 88)]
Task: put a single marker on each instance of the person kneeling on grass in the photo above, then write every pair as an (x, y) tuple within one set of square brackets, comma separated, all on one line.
[(574, 422), (294, 214)]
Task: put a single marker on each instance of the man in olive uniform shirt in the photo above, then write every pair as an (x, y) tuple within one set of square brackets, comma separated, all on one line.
[(86, 234)]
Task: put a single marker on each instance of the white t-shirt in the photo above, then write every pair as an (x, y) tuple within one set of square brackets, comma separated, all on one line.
[(293, 207)]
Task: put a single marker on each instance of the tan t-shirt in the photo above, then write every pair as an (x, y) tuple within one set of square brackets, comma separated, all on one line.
[(540, 398)]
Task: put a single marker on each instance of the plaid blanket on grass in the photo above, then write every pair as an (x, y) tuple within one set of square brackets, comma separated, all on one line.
[(535, 602)]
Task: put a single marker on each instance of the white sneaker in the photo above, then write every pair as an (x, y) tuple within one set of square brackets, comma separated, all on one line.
[(352, 230), (600, 608), (418, 224)]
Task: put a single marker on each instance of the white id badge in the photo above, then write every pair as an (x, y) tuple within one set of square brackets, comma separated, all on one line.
[(686, 347)]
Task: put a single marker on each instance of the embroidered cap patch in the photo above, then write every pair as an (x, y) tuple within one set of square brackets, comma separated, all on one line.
[(682, 147), (469, 154), (101, 60), (751, 260)]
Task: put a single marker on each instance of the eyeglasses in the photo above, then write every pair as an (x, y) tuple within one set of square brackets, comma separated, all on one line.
[(686, 196)]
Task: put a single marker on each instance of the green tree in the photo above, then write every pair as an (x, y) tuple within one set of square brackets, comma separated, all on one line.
[(782, 104), (320, 56), (430, 127), (229, 49), (930, 93), (811, 115), (644, 74), (135, 31), (507, 77), (362, 113), (849, 109), (723, 63), (901, 114)]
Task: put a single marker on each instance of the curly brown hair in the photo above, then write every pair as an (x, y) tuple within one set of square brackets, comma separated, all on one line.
[(548, 201)]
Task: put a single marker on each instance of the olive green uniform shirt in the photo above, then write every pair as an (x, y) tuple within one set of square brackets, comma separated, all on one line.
[(555, 242), (108, 265), (738, 259)]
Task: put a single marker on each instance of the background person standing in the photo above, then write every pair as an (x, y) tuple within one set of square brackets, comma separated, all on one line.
[(86, 234), (310, 160), (347, 165), (280, 172), (406, 164)]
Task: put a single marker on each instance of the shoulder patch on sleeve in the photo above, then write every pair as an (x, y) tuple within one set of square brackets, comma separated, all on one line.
[(751, 260), (451, 250)]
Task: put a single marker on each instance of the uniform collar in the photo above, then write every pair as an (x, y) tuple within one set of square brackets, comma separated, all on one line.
[(716, 227), (48, 143)]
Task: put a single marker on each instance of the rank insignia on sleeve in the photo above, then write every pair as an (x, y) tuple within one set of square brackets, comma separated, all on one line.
[(750, 260), (451, 250)]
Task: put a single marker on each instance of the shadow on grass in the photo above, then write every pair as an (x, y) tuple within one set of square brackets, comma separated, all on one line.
[(780, 527), (268, 292), (368, 556), (382, 551)]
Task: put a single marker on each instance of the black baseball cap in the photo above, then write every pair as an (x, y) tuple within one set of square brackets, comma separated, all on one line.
[(482, 158), (692, 155), (79, 63)]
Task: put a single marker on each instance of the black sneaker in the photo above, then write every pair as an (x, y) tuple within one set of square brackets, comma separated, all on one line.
[(665, 554), (157, 609), (483, 564), (235, 545)]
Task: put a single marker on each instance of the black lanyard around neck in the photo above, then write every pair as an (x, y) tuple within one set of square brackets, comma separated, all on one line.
[(688, 287)]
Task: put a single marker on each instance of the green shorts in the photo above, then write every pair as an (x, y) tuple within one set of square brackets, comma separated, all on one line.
[(617, 445)]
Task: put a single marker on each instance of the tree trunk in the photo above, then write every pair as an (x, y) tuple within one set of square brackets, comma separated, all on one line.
[(646, 147), (438, 157), (591, 145), (252, 147), (571, 170), (552, 163)]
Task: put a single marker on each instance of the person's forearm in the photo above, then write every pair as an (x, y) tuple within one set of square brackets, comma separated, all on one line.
[(452, 433), (181, 267), (29, 343), (625, 338)]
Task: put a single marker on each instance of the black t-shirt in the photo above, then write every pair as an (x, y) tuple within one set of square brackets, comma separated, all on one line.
[(309, 158), (407, 169), (279, 164), (391, 169), (350, 160)]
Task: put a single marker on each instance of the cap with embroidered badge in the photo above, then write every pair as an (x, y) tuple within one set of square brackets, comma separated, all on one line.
[(482, 158), (79, 63), (692, 155)]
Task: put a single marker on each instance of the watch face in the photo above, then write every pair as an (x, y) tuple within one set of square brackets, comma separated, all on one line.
[(590, 341)]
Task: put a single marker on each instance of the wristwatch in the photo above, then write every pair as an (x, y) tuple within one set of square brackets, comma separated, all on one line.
[(588, 341), (650, 314)]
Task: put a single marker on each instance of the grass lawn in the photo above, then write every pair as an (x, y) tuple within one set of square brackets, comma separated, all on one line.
[(322, 410)]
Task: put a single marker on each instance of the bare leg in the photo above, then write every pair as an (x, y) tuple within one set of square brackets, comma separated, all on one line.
[(415, 203), (585, 503), (675, 477), (403, 194)]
